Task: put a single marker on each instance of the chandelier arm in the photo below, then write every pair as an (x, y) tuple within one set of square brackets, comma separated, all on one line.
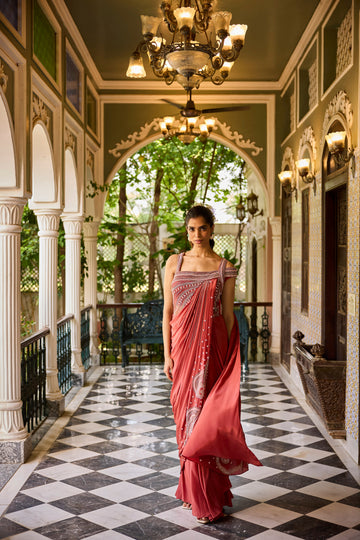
[(231, 55), (169, 16), (201, 18), (217, 79)]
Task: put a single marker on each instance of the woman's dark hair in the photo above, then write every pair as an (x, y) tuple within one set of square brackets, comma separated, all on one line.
[(205, 212)]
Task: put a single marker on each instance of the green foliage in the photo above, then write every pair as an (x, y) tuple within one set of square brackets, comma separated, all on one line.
[(196, 173)]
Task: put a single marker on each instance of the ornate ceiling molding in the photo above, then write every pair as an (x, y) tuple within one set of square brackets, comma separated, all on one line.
[(288, 159), (308, 140), (3, 78), (154, 127)]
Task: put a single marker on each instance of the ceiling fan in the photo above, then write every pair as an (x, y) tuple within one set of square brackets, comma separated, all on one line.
[(190, 111)]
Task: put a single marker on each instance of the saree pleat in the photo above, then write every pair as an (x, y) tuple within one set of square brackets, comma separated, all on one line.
[(205, 396)]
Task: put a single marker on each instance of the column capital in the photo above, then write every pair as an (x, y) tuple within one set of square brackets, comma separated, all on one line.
[(275, 223), (91, 228), (48, 220), (72, 225), (11, 209)]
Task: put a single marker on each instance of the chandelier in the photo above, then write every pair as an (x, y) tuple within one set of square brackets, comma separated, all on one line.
[(187, 129), (189, 45)]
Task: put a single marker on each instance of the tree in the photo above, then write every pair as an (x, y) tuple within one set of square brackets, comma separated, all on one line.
[(159, 183)]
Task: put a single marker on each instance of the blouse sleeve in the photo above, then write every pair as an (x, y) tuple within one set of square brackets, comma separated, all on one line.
[(230, 272)]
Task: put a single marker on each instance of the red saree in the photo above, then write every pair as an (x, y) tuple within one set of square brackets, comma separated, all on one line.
[(205, 395)]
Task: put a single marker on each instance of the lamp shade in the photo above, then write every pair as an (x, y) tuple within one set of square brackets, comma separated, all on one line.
[(136, 67), (240, 211), (303, 166), (237, 32), (221, 20), (252, 203), (285, 177), (184, 16), (149, 24), (336, 141)]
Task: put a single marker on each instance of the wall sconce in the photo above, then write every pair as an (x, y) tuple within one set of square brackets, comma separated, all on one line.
[(286, 178), (303, 168), (251, 207), (336, 141)]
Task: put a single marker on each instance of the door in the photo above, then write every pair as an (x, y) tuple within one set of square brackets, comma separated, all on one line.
[(335, 272), (286, 215)]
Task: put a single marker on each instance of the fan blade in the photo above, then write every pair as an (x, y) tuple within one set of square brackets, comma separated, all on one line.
[(226, 109), (177, 105)]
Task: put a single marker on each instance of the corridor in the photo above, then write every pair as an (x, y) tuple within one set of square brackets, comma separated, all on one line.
[(108, 470)]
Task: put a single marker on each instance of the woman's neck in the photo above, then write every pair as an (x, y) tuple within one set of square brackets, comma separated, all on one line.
[(201, 252)]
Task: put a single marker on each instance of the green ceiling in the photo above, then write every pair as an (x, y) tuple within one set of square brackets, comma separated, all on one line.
[(111, 30)]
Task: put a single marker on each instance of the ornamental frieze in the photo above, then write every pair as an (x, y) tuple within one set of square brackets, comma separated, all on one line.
[(154, 127), (40, 112), (3, 78)]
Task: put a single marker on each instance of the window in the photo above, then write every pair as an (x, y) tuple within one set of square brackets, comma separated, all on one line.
[(91, 111), (305, 251), (11, 9), (73, 83), (44, 41)]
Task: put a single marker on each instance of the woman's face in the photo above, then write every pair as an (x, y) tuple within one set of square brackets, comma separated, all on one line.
[(199, 232)]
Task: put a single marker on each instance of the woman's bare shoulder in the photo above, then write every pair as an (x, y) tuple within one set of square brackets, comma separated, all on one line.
[(229, 265), (172, 261)]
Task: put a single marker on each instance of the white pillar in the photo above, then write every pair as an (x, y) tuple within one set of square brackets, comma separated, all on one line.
[(90, 229), (276, 284), (72, 226), (11, 421), (48, 221)]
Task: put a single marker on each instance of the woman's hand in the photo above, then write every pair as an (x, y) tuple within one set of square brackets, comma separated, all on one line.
[(168, 366)]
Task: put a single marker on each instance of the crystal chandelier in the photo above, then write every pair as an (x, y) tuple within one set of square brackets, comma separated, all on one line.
[(190, 44), (187, 129)]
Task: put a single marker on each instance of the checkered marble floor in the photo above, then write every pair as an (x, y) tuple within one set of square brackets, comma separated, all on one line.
[(112, 472)]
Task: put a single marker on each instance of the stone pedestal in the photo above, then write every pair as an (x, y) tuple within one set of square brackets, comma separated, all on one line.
[(73, 226), (14, 438), (48, 221), (90, 285), (276, 285)]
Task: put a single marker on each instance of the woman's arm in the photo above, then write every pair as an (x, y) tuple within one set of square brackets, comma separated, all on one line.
[(167, 314), (228, 296)]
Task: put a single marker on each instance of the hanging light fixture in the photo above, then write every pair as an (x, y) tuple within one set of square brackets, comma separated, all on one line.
[(190, 44), (187, 129)]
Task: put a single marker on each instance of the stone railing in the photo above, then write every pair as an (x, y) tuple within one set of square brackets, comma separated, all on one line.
[(323, 383)]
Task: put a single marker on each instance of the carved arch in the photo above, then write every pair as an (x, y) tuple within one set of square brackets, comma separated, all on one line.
[(339, 108)]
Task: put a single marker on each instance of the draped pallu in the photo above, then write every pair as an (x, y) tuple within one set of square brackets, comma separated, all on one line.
[(205, 395)]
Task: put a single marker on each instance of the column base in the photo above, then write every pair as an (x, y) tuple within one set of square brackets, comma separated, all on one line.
[(15, 451), (95, 359), (78, 379), (55, 407)]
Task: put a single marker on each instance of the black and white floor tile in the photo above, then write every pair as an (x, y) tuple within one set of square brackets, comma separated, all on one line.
[(112, 473)]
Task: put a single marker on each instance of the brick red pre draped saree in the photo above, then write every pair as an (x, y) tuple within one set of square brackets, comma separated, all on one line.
[(205, 395)]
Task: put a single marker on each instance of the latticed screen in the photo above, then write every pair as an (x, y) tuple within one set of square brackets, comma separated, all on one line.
[(91, 110), (11, 9), (225, 245), (73, 82), (44, 40)]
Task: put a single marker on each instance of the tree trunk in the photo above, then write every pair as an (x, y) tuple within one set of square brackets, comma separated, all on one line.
[(154, 231), (120, 240)]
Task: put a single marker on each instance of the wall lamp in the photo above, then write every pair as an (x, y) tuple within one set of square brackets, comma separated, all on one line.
[(252, 207), (303, 168), (286, 179), (336, 141)]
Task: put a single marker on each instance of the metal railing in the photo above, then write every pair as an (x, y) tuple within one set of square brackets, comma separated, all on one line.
[(33, 379), (64, 353), (85, 336), (258, 331)]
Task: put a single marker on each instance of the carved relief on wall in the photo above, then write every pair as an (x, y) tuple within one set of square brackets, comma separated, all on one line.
[(41, 112), (90, 160), (288, 159), (308, 140), (3, 77), (70, 140), (154, 127), (340, 108)]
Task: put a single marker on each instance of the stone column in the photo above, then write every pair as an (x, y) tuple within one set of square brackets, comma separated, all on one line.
[(276, 285), (14, 439), (90, 229), (72, 226), (48, 221)]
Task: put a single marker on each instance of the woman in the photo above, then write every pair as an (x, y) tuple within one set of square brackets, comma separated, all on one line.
[(202, 358)]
